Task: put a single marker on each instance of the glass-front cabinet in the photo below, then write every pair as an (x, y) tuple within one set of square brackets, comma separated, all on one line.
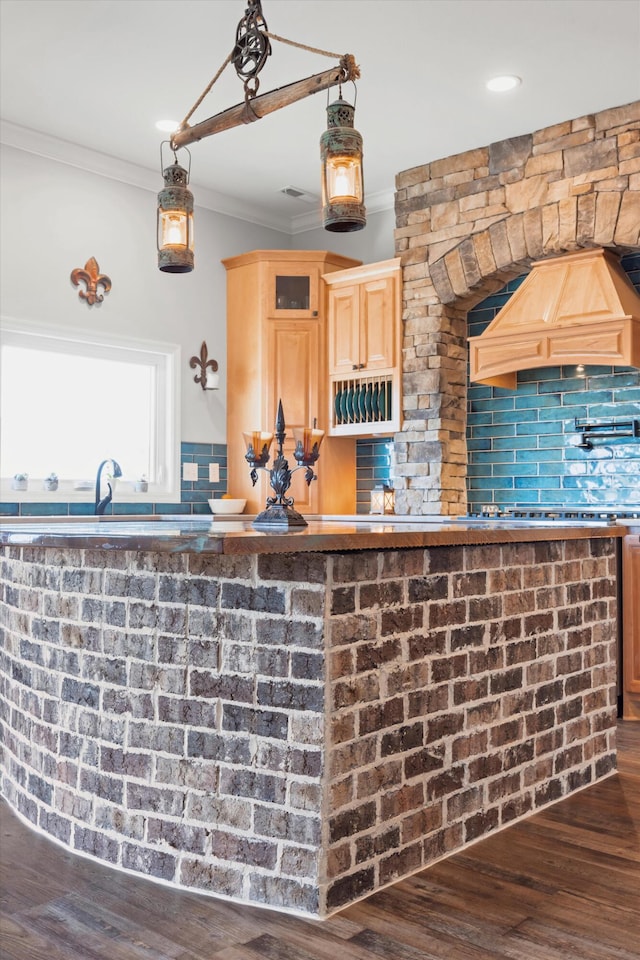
[(293, 290)]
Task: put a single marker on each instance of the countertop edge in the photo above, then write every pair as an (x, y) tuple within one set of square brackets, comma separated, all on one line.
[(318, 537)]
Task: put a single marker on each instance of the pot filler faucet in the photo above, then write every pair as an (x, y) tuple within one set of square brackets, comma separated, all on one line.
[(101, 505)]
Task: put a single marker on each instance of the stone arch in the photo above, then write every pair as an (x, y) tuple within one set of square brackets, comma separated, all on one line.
[(467, 225)]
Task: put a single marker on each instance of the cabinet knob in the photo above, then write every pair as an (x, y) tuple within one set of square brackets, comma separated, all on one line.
[(362, 366), (355, 366), (315, 313)]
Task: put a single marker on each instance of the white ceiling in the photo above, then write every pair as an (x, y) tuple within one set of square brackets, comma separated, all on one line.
[(97, 74)]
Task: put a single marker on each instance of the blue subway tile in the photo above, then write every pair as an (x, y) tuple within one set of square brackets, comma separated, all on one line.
[(486, 483), (508, 470), (122, 509), (480, 414), (573, 385), (192, 449), (539, 375), (539, 401), (81, 509), (475, 393), (43, 509), (516, 417), (614, 411), (495, 430), (511, 443), (539, 456), (538, 427), (538, 483), (497, 456)]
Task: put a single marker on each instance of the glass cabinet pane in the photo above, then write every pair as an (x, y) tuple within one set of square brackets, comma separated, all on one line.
[(292, 293)]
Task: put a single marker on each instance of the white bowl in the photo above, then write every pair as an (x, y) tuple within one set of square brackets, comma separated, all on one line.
[(227, 506)]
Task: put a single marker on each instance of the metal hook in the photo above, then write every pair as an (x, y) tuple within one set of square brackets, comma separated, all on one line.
[(174, 150)]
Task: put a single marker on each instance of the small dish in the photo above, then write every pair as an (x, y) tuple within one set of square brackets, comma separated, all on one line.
[(350, 405), (362, 404), (379, 402), (337, 407), (367, 401), (227, 505)]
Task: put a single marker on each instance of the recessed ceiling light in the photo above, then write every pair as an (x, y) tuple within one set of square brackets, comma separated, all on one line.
[(507, 82), (167, 126)]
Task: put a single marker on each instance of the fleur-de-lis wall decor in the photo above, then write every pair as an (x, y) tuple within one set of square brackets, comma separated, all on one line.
[(210, 382), (93, 279)]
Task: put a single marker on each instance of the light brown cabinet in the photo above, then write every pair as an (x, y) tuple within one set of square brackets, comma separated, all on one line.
[(364, 310), (277, 349), (631, 626)]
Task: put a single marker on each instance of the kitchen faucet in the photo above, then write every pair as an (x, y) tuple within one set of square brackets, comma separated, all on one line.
[(101, 505)]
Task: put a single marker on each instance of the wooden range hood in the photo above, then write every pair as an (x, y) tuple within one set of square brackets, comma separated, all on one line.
[(578, 308)]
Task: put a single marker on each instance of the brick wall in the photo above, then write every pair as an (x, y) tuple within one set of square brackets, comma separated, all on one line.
[(470, 686), (299, 730), (166, 714), (465, 226)]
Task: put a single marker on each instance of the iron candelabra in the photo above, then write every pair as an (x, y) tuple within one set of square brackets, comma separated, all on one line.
[(280, 511)]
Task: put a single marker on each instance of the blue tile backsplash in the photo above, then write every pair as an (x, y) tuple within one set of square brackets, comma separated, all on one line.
[(374, 466), (193, 494), (523, 443)]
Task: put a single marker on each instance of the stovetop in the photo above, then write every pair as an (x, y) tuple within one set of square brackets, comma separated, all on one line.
[(561, 514)]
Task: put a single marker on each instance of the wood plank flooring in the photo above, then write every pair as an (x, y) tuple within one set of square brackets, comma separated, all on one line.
[(563, 885)]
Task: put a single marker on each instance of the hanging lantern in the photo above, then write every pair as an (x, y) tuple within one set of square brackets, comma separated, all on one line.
[(343, 208), (175, 219)]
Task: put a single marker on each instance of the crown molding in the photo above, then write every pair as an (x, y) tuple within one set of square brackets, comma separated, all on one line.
[(311, 219), (103, 165), (62, 151)]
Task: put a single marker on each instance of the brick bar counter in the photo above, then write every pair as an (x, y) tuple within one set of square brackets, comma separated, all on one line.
[(298, 719)]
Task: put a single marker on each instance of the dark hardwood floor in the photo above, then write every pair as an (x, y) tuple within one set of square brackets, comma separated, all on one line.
[(563, 885)]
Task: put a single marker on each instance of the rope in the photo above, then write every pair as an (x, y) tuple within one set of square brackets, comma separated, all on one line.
[(347, 62), (205, 92), (303, 46)]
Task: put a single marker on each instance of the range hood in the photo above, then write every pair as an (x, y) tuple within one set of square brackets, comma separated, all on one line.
[(579, 308)]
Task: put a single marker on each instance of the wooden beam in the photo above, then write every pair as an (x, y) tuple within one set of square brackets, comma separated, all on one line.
[(258, 107)]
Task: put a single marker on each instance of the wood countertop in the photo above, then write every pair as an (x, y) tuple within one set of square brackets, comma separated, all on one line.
[(238, 536)]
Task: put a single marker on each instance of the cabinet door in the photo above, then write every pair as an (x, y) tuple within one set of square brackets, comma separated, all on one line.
[(292, 290), (293, 376), (343, 322), (631, 615), (378, 318)]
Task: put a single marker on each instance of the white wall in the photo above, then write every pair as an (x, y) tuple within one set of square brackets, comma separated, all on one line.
[(56, 216), (375, 242)]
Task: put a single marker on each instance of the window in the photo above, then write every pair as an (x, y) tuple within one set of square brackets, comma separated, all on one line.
[(69, 401)]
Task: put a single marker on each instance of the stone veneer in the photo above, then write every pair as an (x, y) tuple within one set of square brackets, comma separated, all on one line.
[(299, 730), (466, 225)]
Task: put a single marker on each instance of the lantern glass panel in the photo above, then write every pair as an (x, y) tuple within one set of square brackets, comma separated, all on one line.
[(343, 179), (176, 229)]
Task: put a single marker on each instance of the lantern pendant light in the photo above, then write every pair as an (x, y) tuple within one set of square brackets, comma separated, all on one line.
[(175, 219), (343, 209)]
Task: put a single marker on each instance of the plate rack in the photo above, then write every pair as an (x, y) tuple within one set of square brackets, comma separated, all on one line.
[(363, 405)]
